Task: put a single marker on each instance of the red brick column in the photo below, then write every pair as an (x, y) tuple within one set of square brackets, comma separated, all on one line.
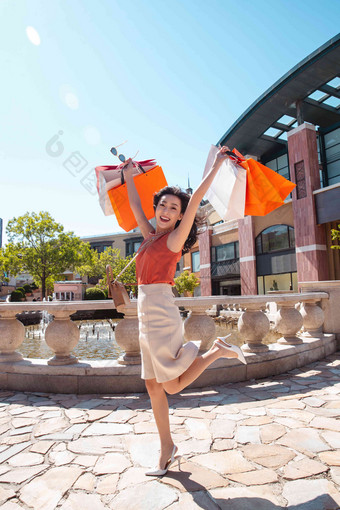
[(247, 256), (310, 239), (204, 240)]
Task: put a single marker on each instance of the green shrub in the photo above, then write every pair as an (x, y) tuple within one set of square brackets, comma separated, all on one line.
[(27, 288), (34, 286), (186, 282), (94, 293), (22, 290), (16, 296)]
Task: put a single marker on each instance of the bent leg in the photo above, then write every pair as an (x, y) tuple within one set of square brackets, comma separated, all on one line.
[(160, 407), (196, 368)]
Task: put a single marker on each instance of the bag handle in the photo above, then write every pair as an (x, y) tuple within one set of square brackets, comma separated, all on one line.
[(137, 165)]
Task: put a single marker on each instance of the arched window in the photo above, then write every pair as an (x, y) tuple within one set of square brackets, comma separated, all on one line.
[(275, 238)]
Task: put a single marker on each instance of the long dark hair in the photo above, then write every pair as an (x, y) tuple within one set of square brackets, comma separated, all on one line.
[(184, 197)]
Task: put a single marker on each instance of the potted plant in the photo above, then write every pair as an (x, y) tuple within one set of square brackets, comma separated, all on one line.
[(186, 283)]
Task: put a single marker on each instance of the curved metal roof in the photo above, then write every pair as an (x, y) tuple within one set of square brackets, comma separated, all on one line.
[(248, 133)]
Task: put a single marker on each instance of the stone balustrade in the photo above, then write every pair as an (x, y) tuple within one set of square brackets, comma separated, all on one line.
[(298, 319)]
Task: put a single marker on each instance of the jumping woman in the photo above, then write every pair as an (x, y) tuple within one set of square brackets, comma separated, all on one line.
[(168, 366)]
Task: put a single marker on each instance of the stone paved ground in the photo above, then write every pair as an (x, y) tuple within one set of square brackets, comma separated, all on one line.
[(264, 445)]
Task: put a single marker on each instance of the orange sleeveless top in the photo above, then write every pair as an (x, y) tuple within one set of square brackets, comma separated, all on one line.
[(157, 264)]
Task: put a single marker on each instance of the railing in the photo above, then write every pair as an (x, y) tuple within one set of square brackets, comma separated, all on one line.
[(226, 267), (294, 311)]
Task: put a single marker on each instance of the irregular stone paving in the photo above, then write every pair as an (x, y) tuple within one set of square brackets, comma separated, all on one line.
[(266, 444)]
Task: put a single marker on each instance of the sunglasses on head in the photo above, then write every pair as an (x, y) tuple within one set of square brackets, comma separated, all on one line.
[(121, 157)]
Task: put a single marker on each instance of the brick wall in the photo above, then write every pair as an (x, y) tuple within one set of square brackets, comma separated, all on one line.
[(246, 235), (205, 261), (310, 239)]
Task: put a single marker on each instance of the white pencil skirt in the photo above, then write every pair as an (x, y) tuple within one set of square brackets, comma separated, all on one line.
[(164, 357)]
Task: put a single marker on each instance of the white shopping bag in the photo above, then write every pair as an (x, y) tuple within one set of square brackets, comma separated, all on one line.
[(108, 179), (227, 193)]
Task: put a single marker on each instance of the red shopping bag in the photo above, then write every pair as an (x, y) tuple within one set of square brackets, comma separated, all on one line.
[(109, 177), (147, 185), (114, 170)]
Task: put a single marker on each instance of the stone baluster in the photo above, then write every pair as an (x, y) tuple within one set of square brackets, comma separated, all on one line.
[(62, 335), (313, 319), (199, 326), (127, 335), (253, 326), (288, 321), (12, 334)]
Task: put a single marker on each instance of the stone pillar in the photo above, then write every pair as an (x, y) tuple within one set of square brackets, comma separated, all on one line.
[(330, 307), (199, 326), (62, 336), (310, 238), (12, 334), (288, 321), (127, 335), (205, 261), (313, 319), (253, 326), (247, 255)]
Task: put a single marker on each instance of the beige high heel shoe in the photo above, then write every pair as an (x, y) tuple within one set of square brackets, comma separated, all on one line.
[(171, 461), (220, 341)]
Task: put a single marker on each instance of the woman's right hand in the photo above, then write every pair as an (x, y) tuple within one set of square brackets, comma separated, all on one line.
[(128, 166)]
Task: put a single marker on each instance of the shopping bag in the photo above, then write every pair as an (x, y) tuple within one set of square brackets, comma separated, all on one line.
[(109, 176), (147, 184), (266, 189), (227, 192)]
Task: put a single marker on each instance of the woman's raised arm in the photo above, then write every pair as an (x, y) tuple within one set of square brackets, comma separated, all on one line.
[(135, 202), (178, 237)]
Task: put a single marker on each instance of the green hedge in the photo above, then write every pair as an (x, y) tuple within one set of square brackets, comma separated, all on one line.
[(94, 293), (16, 296), (22, 290)]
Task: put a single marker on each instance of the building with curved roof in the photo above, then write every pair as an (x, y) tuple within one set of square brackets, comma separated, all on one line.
[(293, 128)]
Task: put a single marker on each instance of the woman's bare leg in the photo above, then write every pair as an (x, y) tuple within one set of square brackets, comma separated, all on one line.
[(196, 369), (160, 407)]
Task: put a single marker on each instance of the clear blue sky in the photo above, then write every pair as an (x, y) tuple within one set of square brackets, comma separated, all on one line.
[(168, 76)]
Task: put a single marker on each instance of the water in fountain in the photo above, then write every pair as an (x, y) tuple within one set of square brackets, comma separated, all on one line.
[(97, 340)]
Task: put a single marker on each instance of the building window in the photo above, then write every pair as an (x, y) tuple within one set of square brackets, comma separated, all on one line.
[(136, 246), (280, 165), (132, 246), (277, 282), (332, 154), (100, 247), (275, 238), (225, 252), (195, 261)]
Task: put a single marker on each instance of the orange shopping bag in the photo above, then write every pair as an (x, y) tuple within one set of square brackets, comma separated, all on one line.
[(266, 190), (147, 184)]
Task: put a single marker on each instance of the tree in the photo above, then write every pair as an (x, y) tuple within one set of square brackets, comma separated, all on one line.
[(97, 262), (96, 266), (39, 246), (336, 237), (186, 282)]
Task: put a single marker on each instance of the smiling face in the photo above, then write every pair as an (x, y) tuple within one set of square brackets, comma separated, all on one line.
[(168, 212)]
